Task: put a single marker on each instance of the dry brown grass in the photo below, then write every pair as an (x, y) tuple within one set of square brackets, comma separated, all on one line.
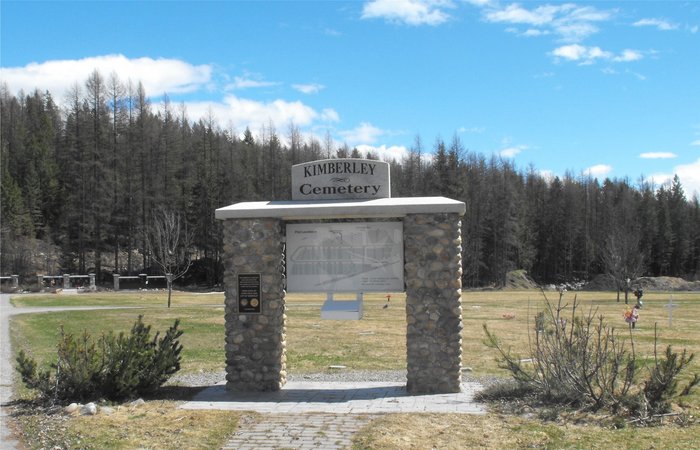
[(376, 342), (493, 431), (153, 425)]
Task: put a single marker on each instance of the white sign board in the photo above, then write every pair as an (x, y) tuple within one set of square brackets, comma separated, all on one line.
[(341, 179), (345, 257)]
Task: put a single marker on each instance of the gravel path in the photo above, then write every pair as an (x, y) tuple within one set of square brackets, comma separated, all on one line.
[(6, 372), (7, 442), (343, 375)]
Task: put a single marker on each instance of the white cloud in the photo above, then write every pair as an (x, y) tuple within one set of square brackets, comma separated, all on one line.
[(588, 55), (688, 174), (639, 76), (409, 12), (330, 115), (660, 24), (476, 130), (312, 88), (659, 178), (576, 52), (533, 32), (514, 13), (397, 152), (365, 133), (173, 77), (157, 75), (658, 155), (598, 170), (628, 55), (547, 174), (249, 82), (480, 2), (569, 21), (253, 114), (695, 142), (512, 151), (544, 75)]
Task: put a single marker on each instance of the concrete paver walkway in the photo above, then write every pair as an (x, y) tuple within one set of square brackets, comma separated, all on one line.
[(338, 398), (298, 431), (313, 415)]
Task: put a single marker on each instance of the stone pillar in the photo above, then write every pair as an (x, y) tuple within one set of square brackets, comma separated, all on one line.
[(116, 281), (66, 281), (433, 274), (255, 343), (40, 281), (15, 281), (93, 286)]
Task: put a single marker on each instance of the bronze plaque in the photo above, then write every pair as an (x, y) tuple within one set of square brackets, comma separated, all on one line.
[(249, 293)]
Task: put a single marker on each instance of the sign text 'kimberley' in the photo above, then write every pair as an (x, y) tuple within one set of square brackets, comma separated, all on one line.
[(341, 179)]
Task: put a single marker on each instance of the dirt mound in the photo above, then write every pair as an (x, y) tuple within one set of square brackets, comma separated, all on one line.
[(602, 282), (517, 280), (666, 284), (605, 282)]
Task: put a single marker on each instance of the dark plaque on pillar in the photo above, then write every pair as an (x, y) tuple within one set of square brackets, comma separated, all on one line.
[(249, 293)]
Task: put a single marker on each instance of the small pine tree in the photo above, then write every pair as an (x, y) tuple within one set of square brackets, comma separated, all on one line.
[(116, 367)]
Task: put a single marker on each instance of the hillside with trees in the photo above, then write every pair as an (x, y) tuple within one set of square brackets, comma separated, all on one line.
[(81, 183)]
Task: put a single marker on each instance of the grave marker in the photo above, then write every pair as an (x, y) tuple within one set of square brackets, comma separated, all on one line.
[(670, 305)]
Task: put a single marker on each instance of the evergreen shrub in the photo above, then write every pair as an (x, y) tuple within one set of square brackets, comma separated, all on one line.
[(115, 367)]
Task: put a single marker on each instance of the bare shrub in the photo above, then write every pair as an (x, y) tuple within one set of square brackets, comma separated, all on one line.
[(581, 361)]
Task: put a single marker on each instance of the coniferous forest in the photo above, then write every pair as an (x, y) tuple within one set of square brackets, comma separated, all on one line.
[(81, 182)]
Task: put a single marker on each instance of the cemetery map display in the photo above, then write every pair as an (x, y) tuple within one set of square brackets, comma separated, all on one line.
[(345, 257)]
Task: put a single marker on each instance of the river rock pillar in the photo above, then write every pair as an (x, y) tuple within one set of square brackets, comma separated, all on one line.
[(255, 342), (433, 276)]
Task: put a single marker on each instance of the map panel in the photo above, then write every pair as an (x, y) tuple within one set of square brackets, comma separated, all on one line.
[(345, 257)]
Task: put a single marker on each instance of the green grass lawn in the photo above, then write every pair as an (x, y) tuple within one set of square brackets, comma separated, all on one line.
[(378, 342)]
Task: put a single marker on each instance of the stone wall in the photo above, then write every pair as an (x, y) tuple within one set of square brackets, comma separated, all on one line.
[(255, 343), (433, 274)]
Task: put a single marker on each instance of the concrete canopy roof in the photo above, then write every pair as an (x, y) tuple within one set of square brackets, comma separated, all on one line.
[(341, 209)]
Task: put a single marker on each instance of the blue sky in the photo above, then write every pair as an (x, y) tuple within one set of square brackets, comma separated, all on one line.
[(610, 89)]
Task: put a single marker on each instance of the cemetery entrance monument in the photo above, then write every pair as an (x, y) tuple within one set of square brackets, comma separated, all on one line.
[(343, 233)]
